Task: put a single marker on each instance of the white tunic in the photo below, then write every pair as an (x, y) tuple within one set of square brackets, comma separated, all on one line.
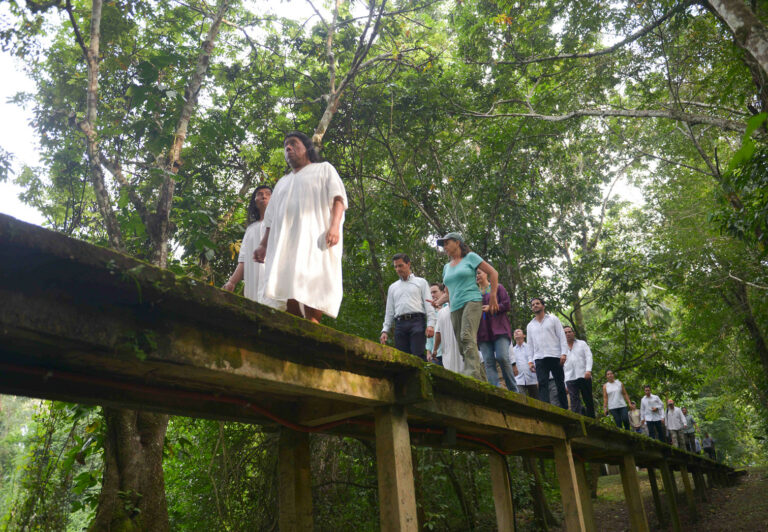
[(299, 264), (253, 272), (452, 359)]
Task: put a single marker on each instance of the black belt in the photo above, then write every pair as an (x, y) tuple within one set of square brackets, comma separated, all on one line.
[(402, 317)]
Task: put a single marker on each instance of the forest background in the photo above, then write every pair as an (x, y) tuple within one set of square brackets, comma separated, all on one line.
[(512, 122)]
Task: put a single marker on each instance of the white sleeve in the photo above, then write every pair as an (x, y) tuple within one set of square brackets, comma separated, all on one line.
[(428, 308), (389, 314), (334, 186), (588, 357)]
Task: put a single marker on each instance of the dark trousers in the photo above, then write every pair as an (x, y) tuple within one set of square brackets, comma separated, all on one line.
[(410, 336), (531, 390), (581, 388), (543, 368), (656, 430), (710, 452), (621, 417)]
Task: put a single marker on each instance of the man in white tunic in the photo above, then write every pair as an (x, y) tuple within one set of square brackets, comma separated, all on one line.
[(578, 373), (248, 269), (303, 242)]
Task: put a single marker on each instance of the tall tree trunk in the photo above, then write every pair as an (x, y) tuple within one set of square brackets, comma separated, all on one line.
[(740, 301), (541, 513), (748, 31), (132, 489), (133, 486)]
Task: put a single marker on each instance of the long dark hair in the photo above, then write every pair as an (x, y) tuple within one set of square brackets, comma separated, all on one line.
[(314, 157), (464, 249), (253, 211)]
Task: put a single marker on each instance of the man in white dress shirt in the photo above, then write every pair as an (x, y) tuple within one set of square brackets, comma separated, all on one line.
[(518, 356), (408, 308), (548, 351), (303, 238), (248, 269), (578, 373), (675, 421), (652, 415)]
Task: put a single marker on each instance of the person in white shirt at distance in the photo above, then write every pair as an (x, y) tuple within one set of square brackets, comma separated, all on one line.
[(408, 309), (615, 400), (578, 373), (445, 338), (676, 423), (248, 269), (651, 413), (303, 241), (548, 351), (435, 290), (524, 374)]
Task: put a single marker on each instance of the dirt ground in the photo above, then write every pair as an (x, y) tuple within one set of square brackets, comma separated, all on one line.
[(743, 507)]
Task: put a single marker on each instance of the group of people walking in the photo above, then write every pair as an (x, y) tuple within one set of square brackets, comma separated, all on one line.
[(290, 259)]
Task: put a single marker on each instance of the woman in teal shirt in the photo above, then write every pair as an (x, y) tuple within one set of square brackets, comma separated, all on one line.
[(465, 298)]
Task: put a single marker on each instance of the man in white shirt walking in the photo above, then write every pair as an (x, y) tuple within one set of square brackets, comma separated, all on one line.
[(676, 423), (524, 376), (651, 414), (548, 350), (408, 308), (578, 373)]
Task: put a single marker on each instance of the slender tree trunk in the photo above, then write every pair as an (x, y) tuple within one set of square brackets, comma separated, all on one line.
[(541, 513), (743, 307)]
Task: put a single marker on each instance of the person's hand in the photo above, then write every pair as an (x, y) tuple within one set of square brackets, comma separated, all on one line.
[(632, 407), (430, 332), (605, 411), (588, 375), (493, 305), (260, 253), (229, 286), (515, 371), (383, 338), (433, 302), (532, 366), (563, 359), (429, 356), (485, 308), (333, 237)]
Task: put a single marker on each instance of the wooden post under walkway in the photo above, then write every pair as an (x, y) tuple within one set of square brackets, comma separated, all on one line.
[(670, 489), (689, 498), (502, 492), (657, 504), (631, 483), (294, 483), (88, 325), (573, 507), (397, 498)]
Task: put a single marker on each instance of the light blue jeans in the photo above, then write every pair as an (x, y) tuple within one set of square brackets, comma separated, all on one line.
[(498, 351)]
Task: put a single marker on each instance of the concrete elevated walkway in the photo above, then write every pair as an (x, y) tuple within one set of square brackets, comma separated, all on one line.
[(85, 324)]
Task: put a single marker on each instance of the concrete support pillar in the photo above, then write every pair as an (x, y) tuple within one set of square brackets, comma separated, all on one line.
[(661, 515), (294, 484), (397, 499), (573, 510), (699, 485), (670, 488), (689, 498), (585, 495), (502, 494), (631, 483)]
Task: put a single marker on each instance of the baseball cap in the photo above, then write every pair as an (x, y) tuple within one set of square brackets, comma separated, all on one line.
[(450, 236)]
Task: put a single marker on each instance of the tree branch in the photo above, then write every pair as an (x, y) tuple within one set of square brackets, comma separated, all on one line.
[(159, 230), (689, 118), (587, 55)]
